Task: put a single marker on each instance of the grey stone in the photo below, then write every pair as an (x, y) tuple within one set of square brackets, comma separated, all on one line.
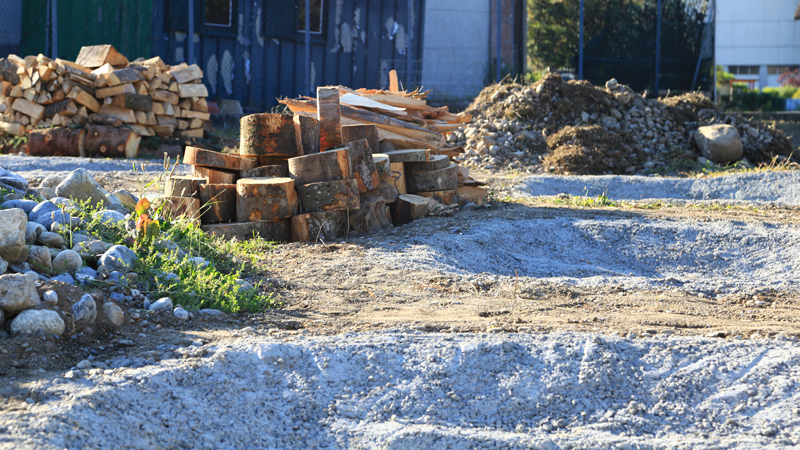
[(63, 203), (68, 261), (116, 296), (31, 275), (79, 185), (33, 321), (114, 313), (47, 193), (47, 213), (244, 285), (3, 266), (115, 277), (18, 293), (64, 278), (121, 209), (180, 313), (51, 182), (42, 208), (612, 84), (39, 258), (2, 318), (13, 182), (50, 297), (53, 253), (25, 205), (119, 258), (32, 232), (162, 304), (719, 143), (126, 198), (199, 262), (108, 215), (51, 239), (91, 249), (77, 238), (84, 312), (86, 275), (13, 223), (212, 312)]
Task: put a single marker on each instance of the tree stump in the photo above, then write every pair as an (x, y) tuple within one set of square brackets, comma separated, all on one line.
[(267, 135), (56, 142), (320, 226), (187, 207), (215, 160), (448, 197), (409, 208), (215, 176), (337, 195), (411, 155), (271, 230), (110, 142), (306, 131), (330, 117), (436, 162), (382, 165), (183, 186), (265, 199), (435, 180), (352, 133), (277, 170), (363, 166), (325, 166), (372, 215), (217, 203), (386, 191)]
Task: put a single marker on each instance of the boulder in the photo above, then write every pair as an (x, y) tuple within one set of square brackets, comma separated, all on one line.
[(84, 312), (126, 198), (162, 304), (25, 205), (39, 258), (51, 182), (91, 249), (33, 321), (51, 239), (32, 232), (114, 314), (13, 224), (68, 261), (3, 266), (719, 143), (86, 275), (47, 213), (119, 258), (80, 185), (108, 215), (47, 193), (13, 183), (18, 293), (64, 278)]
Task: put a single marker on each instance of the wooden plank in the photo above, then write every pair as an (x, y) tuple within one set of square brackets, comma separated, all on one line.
[(394, 84), (192, 90), (215, 160), (271, 230), (361, 102), (338, 195), (329, 115), (394, 125), (94, 56), (399, 101)]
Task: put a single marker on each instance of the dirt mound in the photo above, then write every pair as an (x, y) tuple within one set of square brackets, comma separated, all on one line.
[(515, 124)]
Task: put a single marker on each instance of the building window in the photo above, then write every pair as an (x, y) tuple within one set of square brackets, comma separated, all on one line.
[(316, 16), (744, 70), (219, 13), (780, 70)]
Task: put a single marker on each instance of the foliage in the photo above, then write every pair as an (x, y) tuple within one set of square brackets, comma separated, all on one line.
[(723, 77), (785, 91), (790, 78)]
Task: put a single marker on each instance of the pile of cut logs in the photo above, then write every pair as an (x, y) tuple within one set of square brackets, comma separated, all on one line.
[(101, 87), (302, 178)]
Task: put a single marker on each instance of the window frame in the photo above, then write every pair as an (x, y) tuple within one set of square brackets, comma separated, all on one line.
[(231, 5), (321, 18)]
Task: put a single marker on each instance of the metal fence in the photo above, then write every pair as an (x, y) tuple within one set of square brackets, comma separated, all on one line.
[(10, 26)]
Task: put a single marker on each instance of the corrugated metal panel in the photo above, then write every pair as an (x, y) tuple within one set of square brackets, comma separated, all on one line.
[(125, 24)]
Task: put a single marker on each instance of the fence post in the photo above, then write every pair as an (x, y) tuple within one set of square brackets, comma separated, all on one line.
[(658, 45), (580, 48), (408, 45), (497, 62), (55, 28), (190, 48), (308, 47)]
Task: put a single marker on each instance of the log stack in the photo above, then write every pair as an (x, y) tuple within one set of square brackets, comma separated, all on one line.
[(101, 88)]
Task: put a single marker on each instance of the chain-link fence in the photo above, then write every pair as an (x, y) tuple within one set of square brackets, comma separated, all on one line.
[(10, 26)]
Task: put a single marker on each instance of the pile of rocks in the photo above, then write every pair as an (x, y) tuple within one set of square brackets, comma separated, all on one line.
[(514, 121), (42, 244)]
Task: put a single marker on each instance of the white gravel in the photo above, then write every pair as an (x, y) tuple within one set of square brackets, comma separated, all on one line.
[(32, 167), (722, 255), (765, 187), (396, 390)]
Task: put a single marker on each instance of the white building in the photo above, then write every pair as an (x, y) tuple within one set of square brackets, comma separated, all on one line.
[(757, 40)]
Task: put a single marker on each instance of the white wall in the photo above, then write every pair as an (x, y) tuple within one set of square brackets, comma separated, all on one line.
[(757, 33), (455, 54)]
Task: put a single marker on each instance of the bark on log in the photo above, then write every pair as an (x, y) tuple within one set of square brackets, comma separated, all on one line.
[(306, 132), (267, 135), (183, 186), (382, 165), (411, 155), (56, 142), (275, 171), (217, 203), (265, 199), (363, 166), (447, 197), (135, 102), (352, 133), (187, 207), (435, 180), (65, 108), (386, 191), (110, 142), (373, 215), (397, 176), (102, 119), (271, 230), (320, 226), (214, 176), (215, 160), (330, 117), (409, 208), (325, 166), (338, 195), (436, 162)]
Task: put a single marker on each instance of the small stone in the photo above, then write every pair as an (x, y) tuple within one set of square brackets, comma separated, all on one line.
[(114, 313), (51, 182), (126, 342), (18, 293), (211, 312), (84, 312), (115, 277), (47, 193), (86, 275), (51, 239), (199, 262), (13, 182), (108, 216), (585, 116), (162, 304), (244, 285), (117, 297), (85, 364), (33, 321), (39, 258), (612, 84), (3, 266), (126, 198), (90, 249), (50, 297), (180, 313), (67, 261), (13, 224), (119, 258)]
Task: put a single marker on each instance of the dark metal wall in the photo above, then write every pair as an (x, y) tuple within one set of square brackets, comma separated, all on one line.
[(256, 60)]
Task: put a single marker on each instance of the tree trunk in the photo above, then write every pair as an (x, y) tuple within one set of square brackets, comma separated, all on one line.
[(110, 142), (339, 195), (363, 166), (435, 180), (436, 162), (56, 142), (267, 135), (275, 171), (265, 199), (325, 166), (217, 203), (183, 186), (320, 226)]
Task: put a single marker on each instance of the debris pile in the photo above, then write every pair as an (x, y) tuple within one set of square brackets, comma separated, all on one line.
[(555, 125), (101, 88)]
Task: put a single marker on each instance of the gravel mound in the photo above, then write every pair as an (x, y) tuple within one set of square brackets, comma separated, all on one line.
[(781, 188), (398, 391), (712, 257)]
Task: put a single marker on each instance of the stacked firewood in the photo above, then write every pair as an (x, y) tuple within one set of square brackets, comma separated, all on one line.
[(102, 88)]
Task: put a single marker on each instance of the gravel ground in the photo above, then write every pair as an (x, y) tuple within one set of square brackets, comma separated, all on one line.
[(644, 253), (32, 167), (400, 390), (781, 188)]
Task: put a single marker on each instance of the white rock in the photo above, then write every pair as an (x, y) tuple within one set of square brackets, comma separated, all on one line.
[(18, 293), (180, 313), (13, 224), (67, 261), (114, 313), (162, 304), (719, 143), (50, 297), (84, 312), (119, 258), (33, 320), (81, 186), (51, 239), (108, 215)]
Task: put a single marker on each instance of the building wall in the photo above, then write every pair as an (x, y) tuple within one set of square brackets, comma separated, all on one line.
[(10, 26), (757, 33)]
